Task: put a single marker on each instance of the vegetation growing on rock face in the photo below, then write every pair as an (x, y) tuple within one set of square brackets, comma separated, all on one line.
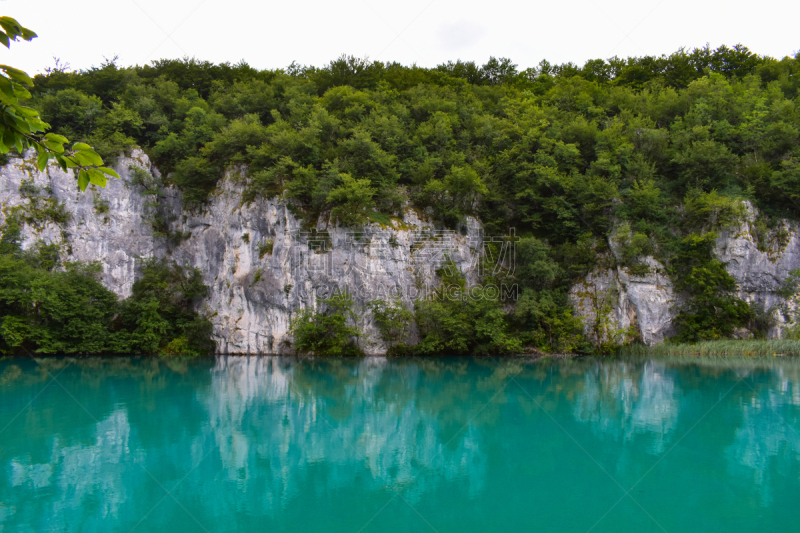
[(458, 319), (50, 308), (159, 316), (712, 312), (393, 321), (326, 331), (664, 146)]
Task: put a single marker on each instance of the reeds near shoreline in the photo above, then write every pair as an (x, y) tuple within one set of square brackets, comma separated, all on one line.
[(722, 348)]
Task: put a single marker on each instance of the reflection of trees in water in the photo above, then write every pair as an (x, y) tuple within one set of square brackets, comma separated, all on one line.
[(625, 399), (375, 414), (275, 427)]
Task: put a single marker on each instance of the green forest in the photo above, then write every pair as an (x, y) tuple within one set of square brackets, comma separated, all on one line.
[(660, 150)]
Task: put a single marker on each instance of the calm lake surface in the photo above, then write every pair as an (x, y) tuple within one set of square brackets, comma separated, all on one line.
[(399, 445)]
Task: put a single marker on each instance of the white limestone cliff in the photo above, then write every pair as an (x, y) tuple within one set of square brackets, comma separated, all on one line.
[(618, 305), (261, 265)]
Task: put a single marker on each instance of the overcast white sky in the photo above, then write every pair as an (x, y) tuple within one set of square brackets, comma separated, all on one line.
[(271, 34)]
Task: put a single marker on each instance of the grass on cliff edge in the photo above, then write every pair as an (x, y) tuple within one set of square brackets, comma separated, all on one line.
[(746, 348)]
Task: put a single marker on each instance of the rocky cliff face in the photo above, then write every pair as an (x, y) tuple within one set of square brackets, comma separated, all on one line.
[(760, 261), (110, 225), (618, 305), (261, 263), (264, 265)]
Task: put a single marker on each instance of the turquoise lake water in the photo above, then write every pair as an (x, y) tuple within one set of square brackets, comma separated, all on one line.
[(274, 444)]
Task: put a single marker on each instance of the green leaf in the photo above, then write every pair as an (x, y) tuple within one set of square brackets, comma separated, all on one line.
[(9, 136), (14, 29), (110, 172), (14, 91), (97, 178), (62, 162), (10, 24), (83, 180), (81, 146), (54, 146), (36, 124), (27, 111), (57, 138), (4, 40), (7, 89), (13, 121), (16, 74), (42, 159), (28, 35), (88, 158)]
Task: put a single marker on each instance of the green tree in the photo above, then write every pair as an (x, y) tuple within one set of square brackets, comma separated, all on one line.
[(461, 320), (713, 312), (706, 165), (568, 155), (392, 319), (547, 323), (160, 311), (51, 312), (352, 200), (454, 196)]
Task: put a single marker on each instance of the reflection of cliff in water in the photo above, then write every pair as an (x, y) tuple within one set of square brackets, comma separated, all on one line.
[(767, 444), (99, 473), (625, 399), (292, 415)]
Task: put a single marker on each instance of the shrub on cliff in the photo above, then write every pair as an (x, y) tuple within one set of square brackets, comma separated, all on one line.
[(393, 321), (459, 320), (351, 201), (713, 311), (160, 310), (325, 332), (463, 326)]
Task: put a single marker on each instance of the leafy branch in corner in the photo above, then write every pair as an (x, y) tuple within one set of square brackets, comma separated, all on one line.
[(21, 127)]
